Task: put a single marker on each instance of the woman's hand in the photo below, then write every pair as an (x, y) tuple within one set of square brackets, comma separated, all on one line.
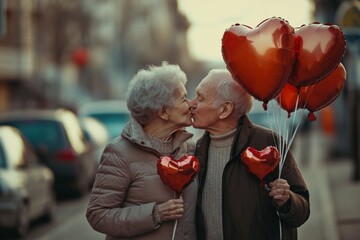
[(171, 210), (280, 191)]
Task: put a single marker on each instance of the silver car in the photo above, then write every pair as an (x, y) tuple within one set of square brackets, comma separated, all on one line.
[(58, 140), (26, 185)]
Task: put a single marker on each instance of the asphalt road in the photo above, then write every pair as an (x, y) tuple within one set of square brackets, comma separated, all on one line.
[(70, 223)]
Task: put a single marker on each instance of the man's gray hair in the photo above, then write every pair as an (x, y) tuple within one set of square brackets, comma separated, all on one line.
[(229, 90), (151, 89)]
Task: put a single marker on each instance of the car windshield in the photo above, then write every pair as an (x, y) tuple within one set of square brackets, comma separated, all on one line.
[(114, 122), (41, 133)]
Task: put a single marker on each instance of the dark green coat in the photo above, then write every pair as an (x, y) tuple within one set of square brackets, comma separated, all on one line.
[(248, 211)]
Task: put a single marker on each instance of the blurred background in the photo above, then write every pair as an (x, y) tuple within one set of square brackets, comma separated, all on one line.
[(64, 70)]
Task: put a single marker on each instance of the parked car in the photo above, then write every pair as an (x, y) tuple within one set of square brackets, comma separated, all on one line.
[(96, 134), (26, 185), (58, 139), (112, 113)]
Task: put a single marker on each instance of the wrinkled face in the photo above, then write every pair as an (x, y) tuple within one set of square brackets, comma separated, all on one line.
[(179, 113), (205, 114)]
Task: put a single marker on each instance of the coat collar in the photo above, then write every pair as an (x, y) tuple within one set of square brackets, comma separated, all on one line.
[(242, 136), (134, 132)]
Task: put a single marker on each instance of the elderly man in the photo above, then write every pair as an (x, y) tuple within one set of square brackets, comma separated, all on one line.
[(231, 203)]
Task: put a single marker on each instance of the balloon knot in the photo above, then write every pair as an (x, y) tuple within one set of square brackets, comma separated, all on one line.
[(311, 117), (264, 105)]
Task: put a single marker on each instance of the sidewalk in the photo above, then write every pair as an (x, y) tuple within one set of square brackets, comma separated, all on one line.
[(334, 197), (346, 198)]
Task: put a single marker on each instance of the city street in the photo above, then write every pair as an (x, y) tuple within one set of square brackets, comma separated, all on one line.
[(70, 223), (63, 62), (335, 208)]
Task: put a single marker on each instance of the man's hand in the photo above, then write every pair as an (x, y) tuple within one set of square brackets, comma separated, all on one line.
[(279, 191)]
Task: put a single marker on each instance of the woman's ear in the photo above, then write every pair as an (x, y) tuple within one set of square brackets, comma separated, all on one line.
[(225, 109), (163, 114)]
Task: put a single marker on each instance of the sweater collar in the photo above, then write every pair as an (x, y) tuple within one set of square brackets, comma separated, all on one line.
[(241, 137), (222, 140)]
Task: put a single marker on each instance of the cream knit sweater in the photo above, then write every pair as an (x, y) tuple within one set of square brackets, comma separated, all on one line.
[(218, 156)]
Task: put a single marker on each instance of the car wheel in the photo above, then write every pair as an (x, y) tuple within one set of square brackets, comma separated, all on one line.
[(50, 210), (22, 220)]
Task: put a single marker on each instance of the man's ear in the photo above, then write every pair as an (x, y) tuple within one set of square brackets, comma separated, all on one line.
[(163, 114), (225, 109)]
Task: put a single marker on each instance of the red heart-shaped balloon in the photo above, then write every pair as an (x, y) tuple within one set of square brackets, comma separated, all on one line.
[(288, 97), (319, 47), (260, 163), (322, 93), (316, 96), (260, 59), (177, 174)]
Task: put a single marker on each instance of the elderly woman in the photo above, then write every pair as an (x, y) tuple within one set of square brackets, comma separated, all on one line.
[(128, 199)]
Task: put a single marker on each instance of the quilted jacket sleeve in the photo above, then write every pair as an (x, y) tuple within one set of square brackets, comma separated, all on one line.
[(105, 211)]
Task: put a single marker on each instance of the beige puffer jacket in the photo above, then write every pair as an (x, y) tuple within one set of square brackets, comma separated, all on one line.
[(127, 187)]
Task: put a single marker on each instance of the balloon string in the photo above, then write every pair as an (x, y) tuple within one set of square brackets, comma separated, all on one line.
[(272, 121), (174, 231), (296, 127), (286, 139), (280, 232), (175, 226), (279, 128), (275, 123), (308, 96), (293, 136), (283, 140), (296, 108), (281, 124), (287, 134)]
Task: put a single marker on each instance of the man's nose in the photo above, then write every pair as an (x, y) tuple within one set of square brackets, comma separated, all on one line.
[(192, 103)]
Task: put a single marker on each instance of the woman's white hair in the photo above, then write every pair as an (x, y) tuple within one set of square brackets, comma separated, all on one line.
[(229, 90), (151, 89)]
